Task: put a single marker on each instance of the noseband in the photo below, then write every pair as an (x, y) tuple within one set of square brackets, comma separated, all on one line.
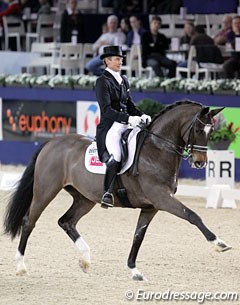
[(186, 151), (190, 129)]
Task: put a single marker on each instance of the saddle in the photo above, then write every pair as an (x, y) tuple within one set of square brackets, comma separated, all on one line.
[(129, 160)]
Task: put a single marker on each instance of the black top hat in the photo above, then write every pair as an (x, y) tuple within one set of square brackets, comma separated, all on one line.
[(112, 51)]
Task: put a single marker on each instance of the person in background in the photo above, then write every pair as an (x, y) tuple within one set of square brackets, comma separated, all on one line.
[(13, 9), (104, 28), (200, 37), (33, 5), (45, 7), (154, 46), (134, 35), (112, 37), (221, 37), (188, 33), (124, 25), (72, 26), (231, 66), (3, 6), (117, 111)]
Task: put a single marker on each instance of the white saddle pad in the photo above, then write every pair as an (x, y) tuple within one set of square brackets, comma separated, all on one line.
[(94, 165)]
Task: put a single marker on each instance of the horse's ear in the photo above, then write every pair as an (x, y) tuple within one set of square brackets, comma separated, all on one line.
[(204, 111), (216, 111)]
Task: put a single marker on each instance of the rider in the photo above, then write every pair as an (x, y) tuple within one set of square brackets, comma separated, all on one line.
[(117, 111)]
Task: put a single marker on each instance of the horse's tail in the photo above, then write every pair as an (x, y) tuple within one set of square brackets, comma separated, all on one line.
[(21, 199)]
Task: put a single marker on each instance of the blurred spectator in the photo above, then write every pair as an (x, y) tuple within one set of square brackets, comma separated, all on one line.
[(221, 37), (112, 37), (13, 8), (231, 66), (134, 35), (188, 32), (200, 37), (124, 25), (3, 6), (72, 26), (34, 5), (154, 46), (104, 28), (45, 7)]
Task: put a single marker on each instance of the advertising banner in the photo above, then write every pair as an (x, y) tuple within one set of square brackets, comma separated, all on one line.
[(88, 117), (1, 137), (37, 120)]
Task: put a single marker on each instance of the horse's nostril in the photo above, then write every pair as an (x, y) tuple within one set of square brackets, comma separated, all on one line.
[(199, 164)]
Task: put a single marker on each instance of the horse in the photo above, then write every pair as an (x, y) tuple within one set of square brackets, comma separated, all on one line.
[(181, 130)]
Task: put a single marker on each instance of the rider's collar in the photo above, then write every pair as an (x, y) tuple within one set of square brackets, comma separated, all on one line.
[(116, 75)]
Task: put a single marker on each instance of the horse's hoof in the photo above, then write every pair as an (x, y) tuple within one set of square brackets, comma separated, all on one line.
[(21, 272), (221, 246), (137, 275), (84, 265)]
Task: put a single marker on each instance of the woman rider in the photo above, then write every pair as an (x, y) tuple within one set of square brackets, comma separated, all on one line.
[(117, 113)]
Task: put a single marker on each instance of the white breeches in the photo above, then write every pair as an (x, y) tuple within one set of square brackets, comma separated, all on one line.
[(113, 140)]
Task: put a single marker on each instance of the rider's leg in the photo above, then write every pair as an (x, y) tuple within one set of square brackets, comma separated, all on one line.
[(111, 172), (113, 146)]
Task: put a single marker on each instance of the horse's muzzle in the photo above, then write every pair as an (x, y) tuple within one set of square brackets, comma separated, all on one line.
[(198, 161), (199, 164)]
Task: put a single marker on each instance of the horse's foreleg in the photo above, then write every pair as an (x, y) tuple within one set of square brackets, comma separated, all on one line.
[(68, 221), (175, 207), (144, 220)]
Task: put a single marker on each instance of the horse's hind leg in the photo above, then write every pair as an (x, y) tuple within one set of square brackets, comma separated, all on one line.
[(80, 207), (29, 221)]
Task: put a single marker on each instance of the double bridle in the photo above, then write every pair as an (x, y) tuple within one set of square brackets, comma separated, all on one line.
[(183, 151)]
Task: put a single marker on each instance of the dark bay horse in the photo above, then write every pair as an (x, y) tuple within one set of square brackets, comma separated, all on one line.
[(60, 164)]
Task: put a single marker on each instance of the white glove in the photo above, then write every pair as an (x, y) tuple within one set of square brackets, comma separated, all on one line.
[(146, 118), (134, 121)]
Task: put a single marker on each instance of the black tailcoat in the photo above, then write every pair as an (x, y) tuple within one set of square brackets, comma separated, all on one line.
[(115, 104)]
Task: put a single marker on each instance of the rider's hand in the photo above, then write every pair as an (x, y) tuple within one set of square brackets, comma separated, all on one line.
[(146, 118), (134, 120)]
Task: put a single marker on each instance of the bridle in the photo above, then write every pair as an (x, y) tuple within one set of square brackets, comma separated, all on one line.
[(184, 152)]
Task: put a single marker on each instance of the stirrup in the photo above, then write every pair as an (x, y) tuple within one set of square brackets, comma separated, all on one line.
[(107, 200)]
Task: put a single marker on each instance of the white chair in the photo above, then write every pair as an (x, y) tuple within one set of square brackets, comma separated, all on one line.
[(215, 23), (69, 59), (87, 54), (46, 51), (192, 66), (13, 28), (134, 63), (44, 30)]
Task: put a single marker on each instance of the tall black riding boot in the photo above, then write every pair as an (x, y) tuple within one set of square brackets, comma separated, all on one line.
[(111, 172)]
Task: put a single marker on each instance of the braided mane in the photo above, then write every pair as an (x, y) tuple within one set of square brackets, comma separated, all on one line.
[(176, 104)]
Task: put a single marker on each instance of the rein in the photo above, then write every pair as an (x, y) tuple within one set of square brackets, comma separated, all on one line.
[(186, 151)]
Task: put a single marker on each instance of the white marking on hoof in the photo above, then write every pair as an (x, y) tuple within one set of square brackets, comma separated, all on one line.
[(84, 249), (137, 275), (21, 268), (220, 245)]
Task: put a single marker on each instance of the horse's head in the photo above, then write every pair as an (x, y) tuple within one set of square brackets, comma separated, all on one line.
[(196, 139)]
